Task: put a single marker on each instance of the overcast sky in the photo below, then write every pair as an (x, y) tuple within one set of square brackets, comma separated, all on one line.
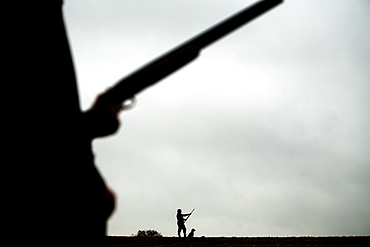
[(265, 134)]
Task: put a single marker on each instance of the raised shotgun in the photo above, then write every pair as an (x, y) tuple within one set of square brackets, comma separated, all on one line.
[(189, 215), (128, 87)]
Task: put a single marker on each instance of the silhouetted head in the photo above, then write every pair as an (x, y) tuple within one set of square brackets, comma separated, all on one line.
[(179, 210), (193, 230)]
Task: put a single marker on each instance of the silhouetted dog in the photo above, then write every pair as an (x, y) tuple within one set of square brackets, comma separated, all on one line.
[(191, 234)]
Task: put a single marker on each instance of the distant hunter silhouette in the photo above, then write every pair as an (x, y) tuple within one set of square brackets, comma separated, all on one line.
[(181, 222)]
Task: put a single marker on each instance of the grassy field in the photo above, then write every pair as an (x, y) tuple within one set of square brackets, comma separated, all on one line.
[(236, 242)]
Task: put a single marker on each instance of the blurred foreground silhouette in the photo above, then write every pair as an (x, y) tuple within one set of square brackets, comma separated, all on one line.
[(55, 188)]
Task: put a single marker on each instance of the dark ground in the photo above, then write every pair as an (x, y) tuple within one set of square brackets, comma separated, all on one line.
[(236, 242)]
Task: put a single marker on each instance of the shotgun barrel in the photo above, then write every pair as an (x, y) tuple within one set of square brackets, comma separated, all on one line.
[(173, 60), (189, 215)]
